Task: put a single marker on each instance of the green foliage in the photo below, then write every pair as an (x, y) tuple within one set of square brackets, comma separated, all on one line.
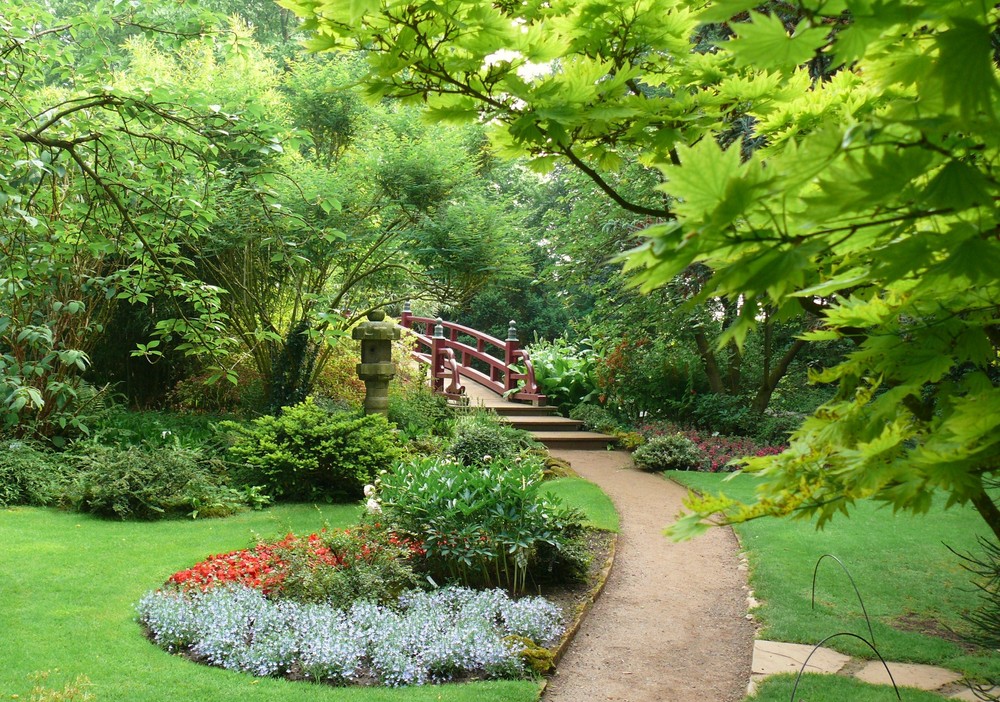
[(122, 428), (417, 412), (725, 414), (308, 453), (671, 452), (108, 147), (648, 377), (596, 418), (565, 372), (152, 481), (862, 190), (482, 436), (105, 566), (29, 475), (482, 525)]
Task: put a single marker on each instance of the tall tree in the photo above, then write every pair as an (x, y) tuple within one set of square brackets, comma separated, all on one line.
[(870, 200), (104, 172)]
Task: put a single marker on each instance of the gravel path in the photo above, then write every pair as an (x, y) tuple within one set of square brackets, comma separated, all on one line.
[(671, 623)]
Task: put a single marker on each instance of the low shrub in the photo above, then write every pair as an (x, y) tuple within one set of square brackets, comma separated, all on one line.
[(670, 452), (122, 427), (596, 418), (482, 434), (418, 413), (648, 377), (29, 474), (308, 453), (726, 414), (447, 634), (480, 526), (151, 482)]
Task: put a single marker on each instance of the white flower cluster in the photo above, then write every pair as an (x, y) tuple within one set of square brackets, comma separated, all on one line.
[(428, 637)]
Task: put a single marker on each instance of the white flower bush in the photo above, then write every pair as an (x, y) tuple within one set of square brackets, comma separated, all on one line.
[(427, 637)]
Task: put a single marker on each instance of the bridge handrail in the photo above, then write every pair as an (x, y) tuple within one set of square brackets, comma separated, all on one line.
[(441, 355)]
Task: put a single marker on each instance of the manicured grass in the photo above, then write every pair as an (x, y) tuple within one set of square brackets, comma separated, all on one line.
[(833, 688), (68, 588), (907, 577), (589, 498)]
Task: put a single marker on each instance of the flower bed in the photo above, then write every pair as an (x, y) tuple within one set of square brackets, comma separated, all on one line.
[(341, 607), (437, 636)]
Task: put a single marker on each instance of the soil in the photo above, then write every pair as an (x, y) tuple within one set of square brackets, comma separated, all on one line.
[(671, 624)]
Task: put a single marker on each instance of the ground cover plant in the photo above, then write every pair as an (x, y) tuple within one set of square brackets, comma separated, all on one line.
[(421, 637), (72, 582), (914, 587)]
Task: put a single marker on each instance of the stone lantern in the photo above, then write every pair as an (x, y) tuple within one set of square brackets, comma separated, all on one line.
[(376, 367)]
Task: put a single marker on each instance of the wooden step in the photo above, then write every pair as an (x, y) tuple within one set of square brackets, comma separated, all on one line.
[(535, 422), (512, 409), (574, 440)]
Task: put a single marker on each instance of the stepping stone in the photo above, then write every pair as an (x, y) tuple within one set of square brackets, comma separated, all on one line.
[(773, 657), (967, 695), (924, 677)]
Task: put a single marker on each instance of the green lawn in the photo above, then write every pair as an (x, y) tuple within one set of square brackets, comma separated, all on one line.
[(908, 578), (586, 496), (833, 688), (69, 584)]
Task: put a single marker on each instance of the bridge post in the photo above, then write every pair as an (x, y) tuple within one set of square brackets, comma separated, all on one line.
[(511, 345), (405, 319), (437, 357)]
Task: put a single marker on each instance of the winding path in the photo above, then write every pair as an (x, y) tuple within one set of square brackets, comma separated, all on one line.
[(671, 624)]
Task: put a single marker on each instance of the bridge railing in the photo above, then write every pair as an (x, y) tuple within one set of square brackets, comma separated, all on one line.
[(450, 358)]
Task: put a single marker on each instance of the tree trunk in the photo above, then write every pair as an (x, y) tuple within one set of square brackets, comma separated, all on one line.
[(988, 510), (715, 382), (770, 381)]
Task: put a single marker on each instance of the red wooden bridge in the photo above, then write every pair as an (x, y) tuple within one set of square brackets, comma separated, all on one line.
[(500, 377)]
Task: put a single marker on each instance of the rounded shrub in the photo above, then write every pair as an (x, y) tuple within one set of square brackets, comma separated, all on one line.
[(671, 452), (308, 453), (481, 437)]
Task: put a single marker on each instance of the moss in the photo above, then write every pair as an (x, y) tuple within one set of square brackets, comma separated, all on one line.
[(536, 658)]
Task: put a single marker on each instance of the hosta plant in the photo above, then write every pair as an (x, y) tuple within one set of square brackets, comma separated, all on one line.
[(479, 526)]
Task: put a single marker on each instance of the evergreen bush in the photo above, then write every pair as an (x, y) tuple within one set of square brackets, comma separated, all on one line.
[(596, 418), (672, 452), (308, 453)]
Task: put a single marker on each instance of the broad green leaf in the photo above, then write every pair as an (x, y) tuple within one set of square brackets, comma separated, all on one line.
[(958, 186), (964, 68), (765, 43), (702, 179)]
